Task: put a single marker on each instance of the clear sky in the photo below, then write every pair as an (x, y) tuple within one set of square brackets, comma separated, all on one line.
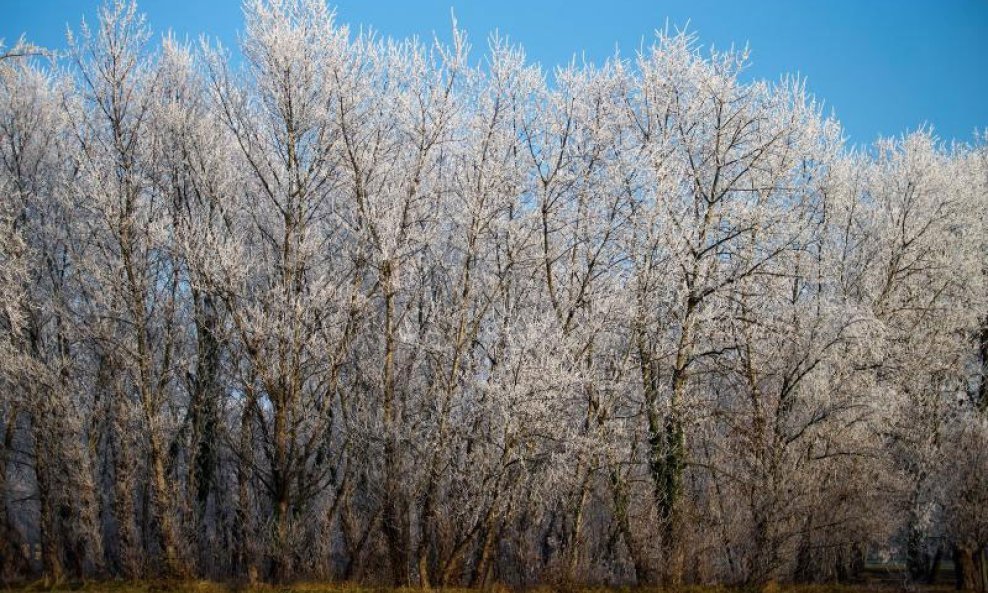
[(883, 66)]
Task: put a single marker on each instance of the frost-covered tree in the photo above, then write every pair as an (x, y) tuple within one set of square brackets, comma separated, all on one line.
[(368, 309)]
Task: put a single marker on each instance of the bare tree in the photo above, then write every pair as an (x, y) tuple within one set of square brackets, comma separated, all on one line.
[(370, 309)]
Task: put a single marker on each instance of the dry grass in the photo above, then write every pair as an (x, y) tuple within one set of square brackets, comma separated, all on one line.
[(203, 587), (314, 587)]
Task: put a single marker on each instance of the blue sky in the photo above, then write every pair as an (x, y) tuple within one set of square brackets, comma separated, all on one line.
[(883, 66)]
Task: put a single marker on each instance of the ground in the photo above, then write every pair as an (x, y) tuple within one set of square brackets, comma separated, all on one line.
[(305, 587)]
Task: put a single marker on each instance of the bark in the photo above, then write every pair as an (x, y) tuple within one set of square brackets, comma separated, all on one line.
[(982, 400), (574, 540), (48, 522), (971, 568), (124, 510), (244, 560), (621, 508), (922, 565), (204, 408), (281, 493), (164, 515), (485, 555), (396, 527), (12, 562)]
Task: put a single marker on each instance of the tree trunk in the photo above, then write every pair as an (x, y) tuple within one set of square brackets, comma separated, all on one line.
[(396, 527), (667, 451), (163, 510), (574, 541), (48, 531), (281, 484), (486, 556), (204, 410), (243, 531), (970, 569), (964, 568), (12, 562), (124, 512), (620, 494)]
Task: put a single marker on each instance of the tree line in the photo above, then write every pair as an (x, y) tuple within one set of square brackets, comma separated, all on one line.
[(353, 308)]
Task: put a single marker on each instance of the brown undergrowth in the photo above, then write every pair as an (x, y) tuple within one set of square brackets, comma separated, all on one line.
[(316, 587)]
